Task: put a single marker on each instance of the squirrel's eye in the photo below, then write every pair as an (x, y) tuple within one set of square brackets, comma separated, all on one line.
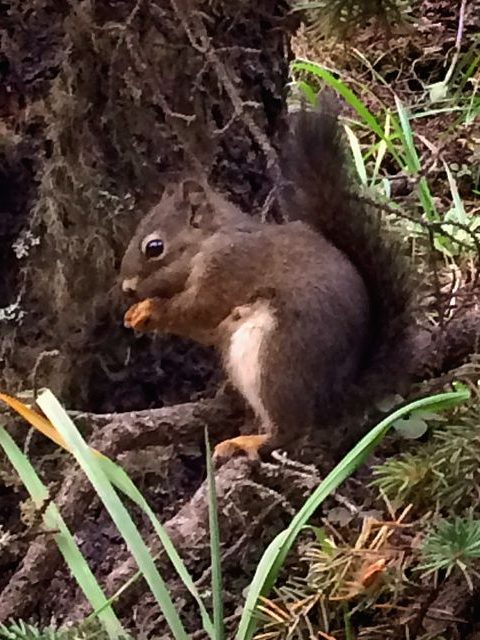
[(153, 247)]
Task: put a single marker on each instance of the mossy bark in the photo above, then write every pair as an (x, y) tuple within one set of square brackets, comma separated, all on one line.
[(103, 102)]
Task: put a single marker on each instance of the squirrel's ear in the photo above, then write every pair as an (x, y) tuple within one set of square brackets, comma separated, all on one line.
[(194, 195), (193, 192)]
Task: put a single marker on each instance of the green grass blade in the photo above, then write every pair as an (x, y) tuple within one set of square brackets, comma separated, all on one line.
[(120, 479), (64, 539), (273, 558), (411, 156), (125, 586), (434, 112), (117, 511), (342, 89), (427, 200), (215, 552), (413, 161), (457, 200), (382, 149), (350, 97), (357, 155), (307, 91)]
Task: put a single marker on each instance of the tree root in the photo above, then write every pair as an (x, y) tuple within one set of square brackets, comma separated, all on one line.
[(182, 427)]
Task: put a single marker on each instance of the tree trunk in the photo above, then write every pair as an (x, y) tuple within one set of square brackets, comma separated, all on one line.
[(102, 102)]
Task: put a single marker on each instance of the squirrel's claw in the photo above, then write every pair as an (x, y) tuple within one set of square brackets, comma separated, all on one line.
[(140, 316), (249, 445)]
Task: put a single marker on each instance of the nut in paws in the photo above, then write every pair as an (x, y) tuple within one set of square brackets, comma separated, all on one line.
[(140, 316)]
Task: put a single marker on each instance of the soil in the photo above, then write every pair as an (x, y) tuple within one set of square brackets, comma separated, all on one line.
[(88, 138)]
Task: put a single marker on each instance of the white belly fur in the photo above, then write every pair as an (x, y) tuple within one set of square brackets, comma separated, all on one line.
[(247, 340)]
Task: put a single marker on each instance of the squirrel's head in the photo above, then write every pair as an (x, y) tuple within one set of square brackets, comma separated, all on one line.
[(173, 230)]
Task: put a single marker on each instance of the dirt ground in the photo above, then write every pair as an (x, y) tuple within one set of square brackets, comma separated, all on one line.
[(86, 144)]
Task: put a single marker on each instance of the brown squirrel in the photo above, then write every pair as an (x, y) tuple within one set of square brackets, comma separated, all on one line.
[(309, 316)]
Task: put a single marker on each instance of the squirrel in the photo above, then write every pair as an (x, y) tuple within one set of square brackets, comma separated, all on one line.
[(310, 316)]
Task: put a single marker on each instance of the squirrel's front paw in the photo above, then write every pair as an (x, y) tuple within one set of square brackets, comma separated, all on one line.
[(140, 316)]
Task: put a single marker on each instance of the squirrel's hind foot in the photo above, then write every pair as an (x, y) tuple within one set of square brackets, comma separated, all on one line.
[(249, 445)]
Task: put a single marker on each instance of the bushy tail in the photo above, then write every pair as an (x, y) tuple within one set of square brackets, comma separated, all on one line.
[(320, 190)]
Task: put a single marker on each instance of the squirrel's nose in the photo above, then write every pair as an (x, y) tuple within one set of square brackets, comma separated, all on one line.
[(129, 285)]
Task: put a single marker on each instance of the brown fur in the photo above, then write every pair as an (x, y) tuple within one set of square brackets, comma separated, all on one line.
[(292, 315)]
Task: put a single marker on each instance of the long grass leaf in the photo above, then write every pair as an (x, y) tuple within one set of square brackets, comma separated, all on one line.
[(35, 419), (307, 91), (413, 161), (457, 200), (120, 479), (215, 552), (357, 155), (117, 511), (382, 148), (273, 558), (54, 522), (349, 96)]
